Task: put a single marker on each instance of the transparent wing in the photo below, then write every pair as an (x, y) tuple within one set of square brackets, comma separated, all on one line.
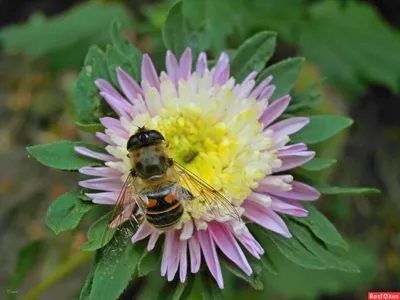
[(128, 203), (206, 200)]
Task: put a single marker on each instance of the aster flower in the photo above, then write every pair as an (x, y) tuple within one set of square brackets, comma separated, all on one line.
[(241, 151)]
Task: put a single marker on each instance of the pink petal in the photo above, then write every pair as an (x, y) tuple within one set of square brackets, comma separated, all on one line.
[(149, 72), (250, 77), (143, 231), (174, 257), (99, 156), (128, 85), (201, 65), (111, 123), (267, 92), (257, 91), (153, 240), (291, 149), (102, 171), (122, 108), (266, 218), (104, 137), (221, 71), (185, 64), (104, 198), (195, 255), (289, 126), (250, 243), (228, 245), (300, 191), (288, 207), (274, 110), (107, 88), (168, 251), (172, 67), (210, 256), (103, 184), (291, 161), (182, 260)]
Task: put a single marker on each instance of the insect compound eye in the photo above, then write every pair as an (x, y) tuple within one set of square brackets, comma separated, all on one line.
[(144, 137)]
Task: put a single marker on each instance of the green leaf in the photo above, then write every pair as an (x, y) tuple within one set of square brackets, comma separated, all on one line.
[(368, 48), (115, 268), (219, 19), (148, 262), (321, 227), (27, 257), (210, 290), (253, 279), (268, 264), (79, 27), (303, 101), (92, 128), (61, 155), (253, 54), (331, 260), (87, 99), (285, 74), (310, 284), (178, 34), (318, 164), (335, 190), (97, 234), (294, 251), (66, 212), (321, 128), (123, 54)]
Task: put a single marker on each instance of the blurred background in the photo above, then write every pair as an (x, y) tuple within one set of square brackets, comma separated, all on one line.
[(354, 46)]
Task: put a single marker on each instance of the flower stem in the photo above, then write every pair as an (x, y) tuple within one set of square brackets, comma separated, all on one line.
[(63, 270)]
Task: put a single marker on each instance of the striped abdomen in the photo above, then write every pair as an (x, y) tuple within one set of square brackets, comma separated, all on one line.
[(164, 210)]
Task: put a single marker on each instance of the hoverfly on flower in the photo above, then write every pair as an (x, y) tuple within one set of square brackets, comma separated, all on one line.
[(158, 189)]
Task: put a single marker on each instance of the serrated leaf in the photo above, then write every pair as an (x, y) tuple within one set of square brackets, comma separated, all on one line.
[(253, 279), (335, 190), (178, 34), (115, 269), (318, 164), (368, 47), (210, 290), (123, 54), (61, 155), (321, 128), (321, 227), (27, 257), (66, 212), (303, 101), (285, 74), (218, 18), (97, 235), (81, 26), (331, 260), (148, 262), (87, 99), (294, 251), (253, 54), (87, 288)]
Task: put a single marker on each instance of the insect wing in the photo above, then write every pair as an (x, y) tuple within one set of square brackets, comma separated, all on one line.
[(123, 210), (216, 205)]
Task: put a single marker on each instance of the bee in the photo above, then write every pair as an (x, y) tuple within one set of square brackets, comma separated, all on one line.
[(157, 187)]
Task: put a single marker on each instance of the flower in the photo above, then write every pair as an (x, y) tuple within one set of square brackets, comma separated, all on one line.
[(240, 149)]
